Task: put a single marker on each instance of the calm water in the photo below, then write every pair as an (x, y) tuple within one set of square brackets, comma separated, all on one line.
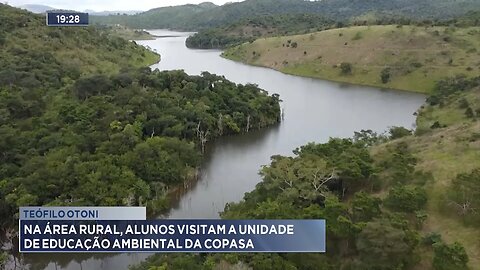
[(314, 111)]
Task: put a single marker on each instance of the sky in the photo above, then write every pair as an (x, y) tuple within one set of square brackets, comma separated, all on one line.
[(102, 5)]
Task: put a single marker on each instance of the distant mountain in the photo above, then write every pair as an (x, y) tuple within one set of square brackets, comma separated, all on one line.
[(206, 15), (177, 17), (36, 8), (471, 18), (42, 9), (112, 12)]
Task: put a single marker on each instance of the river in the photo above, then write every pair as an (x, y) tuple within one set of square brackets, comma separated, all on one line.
[(314, 111)]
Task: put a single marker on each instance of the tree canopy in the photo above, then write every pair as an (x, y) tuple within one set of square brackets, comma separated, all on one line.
[(97, 129)]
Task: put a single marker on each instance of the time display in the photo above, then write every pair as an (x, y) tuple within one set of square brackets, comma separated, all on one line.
[(67, 19)]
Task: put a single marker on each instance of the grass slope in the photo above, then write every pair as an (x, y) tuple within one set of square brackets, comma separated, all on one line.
[(416, 56), (130, 34), (446, 152)]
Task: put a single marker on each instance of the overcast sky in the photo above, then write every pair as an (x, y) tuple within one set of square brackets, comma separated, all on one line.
[(101, 5)]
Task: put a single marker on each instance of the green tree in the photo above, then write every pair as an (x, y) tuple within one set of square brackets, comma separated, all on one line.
[(406, 198), (464, 194), (166, 160), (449, 257), (365, 207), (96, 84), (382, 246), (367, 137), (399, 132)]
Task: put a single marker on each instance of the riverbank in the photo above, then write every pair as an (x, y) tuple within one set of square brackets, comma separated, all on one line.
[(407, 58), (131, 34), (405, 191)]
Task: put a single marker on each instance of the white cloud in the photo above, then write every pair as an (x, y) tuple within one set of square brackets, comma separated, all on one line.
[(101, 5)]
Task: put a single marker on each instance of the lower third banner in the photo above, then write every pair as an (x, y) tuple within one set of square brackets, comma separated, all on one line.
[(172, 236)]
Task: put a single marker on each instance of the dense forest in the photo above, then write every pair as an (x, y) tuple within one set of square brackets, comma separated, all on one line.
[(207, 15), (83, 123), (378, 193), (247, 30)]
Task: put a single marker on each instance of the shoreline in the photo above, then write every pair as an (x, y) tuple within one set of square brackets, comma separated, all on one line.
[(325, 78), (406, 58)]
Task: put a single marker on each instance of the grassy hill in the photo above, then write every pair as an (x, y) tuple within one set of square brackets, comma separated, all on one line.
[(247, 30), (128, 33), (447, 143), (207, 15), (411, 58)]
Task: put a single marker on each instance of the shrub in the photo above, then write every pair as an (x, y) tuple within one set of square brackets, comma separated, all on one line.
[(463, 104), (436, 125), (469, 113), (346, 68), (432, 238), (385, 75), (417, 64), (357, 36)]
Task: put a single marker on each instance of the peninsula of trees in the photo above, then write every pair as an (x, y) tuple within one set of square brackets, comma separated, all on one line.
[(83, 121)]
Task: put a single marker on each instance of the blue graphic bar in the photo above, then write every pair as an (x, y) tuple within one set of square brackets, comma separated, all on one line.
[(83, 213), (172, 236), (67, 19)]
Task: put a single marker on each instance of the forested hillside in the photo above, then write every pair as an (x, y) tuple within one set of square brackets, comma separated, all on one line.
[(206, 15), (83, 121), (395, 201)]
